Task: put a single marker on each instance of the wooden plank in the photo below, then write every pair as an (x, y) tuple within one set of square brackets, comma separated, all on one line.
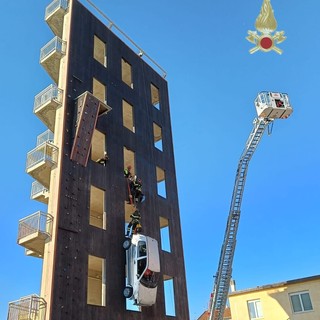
[(88, 110)]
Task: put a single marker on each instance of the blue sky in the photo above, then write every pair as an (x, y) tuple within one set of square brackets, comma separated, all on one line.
[(213, 81)]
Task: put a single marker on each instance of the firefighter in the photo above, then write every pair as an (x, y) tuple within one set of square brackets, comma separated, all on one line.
[(127, 172), (136, 190), (134, 223)]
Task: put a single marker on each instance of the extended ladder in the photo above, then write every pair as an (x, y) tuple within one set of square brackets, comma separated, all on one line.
[(223, 276), (269, 106)]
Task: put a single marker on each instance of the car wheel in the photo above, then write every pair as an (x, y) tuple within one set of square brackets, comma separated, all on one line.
[(127, 292), (126, 244)]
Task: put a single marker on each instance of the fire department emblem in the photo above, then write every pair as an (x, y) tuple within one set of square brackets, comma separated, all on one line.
[(266, 38)]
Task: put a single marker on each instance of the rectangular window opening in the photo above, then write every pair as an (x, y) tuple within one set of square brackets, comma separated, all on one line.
[(165, 234), (97, 209), (301, 302), (126, 73), (129, 162), (157, 136), (255, 309), (155, 96), (128, 118), (161, 182), (98, 148), (100, 51), (169, 296), (128, 211), (96, 284), (99, 90)]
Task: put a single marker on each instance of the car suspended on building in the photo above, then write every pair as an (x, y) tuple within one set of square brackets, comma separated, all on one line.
[(142, 269)]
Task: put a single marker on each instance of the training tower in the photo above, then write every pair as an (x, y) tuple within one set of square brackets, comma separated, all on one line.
[(106, 108)]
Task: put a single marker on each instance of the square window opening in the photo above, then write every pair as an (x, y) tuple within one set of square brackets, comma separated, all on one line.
[(301, 302)]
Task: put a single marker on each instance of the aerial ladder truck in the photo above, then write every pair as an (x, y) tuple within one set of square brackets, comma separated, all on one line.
[(269, 106)]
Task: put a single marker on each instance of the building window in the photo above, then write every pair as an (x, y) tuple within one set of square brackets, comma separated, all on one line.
[(161, 182), (155, 96), (169, 296), (98, 148), (157, 136), (97, 211), (96, 289), (129, 159), (100, 51), (301, 302), (255, 309), (126, 73), (165, 234), (128, 118), (99, 90)]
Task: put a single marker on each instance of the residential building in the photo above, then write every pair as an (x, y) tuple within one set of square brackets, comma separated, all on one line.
[(297, 299)]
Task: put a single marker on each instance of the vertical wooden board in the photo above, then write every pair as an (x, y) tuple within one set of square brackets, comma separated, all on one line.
[(88, 108)]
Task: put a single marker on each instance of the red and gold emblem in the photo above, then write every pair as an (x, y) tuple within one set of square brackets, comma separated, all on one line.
[(266, 38)]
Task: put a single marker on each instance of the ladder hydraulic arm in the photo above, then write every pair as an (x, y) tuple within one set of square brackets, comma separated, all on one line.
[(223, 276), (269, 106)]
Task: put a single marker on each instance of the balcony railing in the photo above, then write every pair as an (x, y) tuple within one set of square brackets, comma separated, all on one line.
[(38, 222), (54, 15), (51, 93), (31, 307), (39, 192), (44, 152), (40, 161), (46, 103), (46, 136), (50, 57), (34, 231), (55, 5), (54, 45)]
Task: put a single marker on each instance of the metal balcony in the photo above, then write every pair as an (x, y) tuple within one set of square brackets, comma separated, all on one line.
[(42, 158), (31, 307), (39, 192), (46, 103), (34, 231), (46, 136), (50, 56), (54, 15)]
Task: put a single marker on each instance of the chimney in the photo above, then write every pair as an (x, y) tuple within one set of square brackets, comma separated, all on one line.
[(232, 285)]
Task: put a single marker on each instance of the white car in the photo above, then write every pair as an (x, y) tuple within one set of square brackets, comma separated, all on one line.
[(142, 269)]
